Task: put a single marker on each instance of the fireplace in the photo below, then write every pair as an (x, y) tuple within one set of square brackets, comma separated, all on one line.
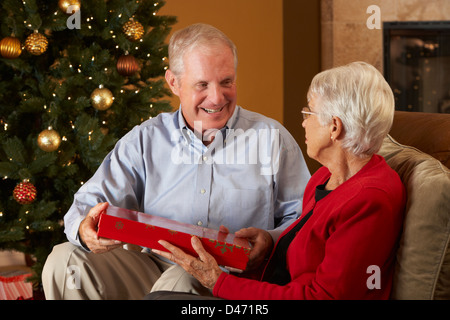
[(417, 64)]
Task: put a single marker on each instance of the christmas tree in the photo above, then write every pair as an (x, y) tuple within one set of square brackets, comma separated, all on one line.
[(76, 75)]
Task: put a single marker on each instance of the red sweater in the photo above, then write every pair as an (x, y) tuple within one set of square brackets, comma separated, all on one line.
[(353, 228)]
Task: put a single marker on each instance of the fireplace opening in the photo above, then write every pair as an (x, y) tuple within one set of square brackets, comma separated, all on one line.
[(417, 64)]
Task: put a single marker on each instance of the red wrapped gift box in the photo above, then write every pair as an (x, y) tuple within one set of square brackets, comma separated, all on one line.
[(13, 285), (146, 230)]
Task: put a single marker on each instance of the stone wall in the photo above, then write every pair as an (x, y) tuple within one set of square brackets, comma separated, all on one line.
[(346, 37)]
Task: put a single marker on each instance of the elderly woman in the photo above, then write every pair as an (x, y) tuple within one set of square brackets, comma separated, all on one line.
[(344, 244)]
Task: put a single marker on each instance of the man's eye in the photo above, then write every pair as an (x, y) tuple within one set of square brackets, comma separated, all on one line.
[(227, 83)]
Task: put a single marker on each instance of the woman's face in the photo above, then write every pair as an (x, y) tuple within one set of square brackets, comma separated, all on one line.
[(317, 137)]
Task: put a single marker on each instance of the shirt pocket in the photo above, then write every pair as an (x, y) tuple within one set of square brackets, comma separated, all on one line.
[(248, 208)]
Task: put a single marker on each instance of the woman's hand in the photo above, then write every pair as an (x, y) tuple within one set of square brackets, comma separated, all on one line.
[(262, 243), (204, 268)]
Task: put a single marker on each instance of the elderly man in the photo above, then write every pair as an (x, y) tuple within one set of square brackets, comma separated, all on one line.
[(211, 163)]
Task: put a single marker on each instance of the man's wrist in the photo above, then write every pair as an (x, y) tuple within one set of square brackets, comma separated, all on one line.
[(82, 242)]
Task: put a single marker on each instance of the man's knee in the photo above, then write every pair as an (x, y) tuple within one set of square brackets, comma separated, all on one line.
[(59, 257), (56, 269), (177, 279)]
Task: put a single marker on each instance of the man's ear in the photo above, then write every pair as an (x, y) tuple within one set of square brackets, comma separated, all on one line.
[(172, 81)]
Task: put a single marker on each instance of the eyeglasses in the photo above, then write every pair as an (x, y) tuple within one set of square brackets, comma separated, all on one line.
[(306, 112)]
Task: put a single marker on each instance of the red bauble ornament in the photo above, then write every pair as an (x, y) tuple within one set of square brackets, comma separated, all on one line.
[(127, 65), (24, 192)]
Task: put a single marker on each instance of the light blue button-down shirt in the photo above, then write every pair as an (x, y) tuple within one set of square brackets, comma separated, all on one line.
[(252, 175)]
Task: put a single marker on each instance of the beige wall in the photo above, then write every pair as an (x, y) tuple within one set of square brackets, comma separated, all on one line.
[(256, 27)]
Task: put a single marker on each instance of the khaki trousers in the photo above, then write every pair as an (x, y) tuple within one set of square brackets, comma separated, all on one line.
[(72, 273)]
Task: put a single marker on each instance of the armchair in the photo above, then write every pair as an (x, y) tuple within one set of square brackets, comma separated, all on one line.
[(418, 148)]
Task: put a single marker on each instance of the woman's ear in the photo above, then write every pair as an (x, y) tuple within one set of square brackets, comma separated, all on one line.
[(336, 128), (172, 81)]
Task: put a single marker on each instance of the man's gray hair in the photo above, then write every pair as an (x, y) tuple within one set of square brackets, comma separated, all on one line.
[(194, 36), (358, 94)]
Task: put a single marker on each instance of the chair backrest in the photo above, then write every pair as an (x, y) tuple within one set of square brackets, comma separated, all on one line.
[(428, 132), (423, 258)]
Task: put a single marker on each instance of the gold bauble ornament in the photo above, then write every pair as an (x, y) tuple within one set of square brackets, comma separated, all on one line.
[(65, 4), (133, 30), (10, 47), (127, 65), (102, 98), (36, 43), (49, 140)]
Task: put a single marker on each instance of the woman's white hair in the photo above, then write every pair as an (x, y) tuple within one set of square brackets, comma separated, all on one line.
[(194, 36), (359, 95)]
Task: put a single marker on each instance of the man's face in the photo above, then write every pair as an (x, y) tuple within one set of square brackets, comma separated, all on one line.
[(207, 87)]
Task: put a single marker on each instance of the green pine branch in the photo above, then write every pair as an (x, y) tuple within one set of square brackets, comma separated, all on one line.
[(54, 89)]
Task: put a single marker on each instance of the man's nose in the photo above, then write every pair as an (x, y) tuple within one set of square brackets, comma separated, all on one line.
[(216, 95)]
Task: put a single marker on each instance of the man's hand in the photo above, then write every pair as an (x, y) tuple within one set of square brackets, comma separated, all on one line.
[(262, 243), (88, 231)]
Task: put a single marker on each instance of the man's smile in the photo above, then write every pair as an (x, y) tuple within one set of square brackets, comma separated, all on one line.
[(212, 110)]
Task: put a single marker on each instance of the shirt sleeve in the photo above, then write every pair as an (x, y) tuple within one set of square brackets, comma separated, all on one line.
[(291, 178), (118, 181)]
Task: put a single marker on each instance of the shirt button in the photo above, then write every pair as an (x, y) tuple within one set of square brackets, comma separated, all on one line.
[(199, 223), (202, 191), (205, 158)]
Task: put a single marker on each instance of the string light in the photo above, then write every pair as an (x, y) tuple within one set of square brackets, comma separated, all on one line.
[(45, 107)]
